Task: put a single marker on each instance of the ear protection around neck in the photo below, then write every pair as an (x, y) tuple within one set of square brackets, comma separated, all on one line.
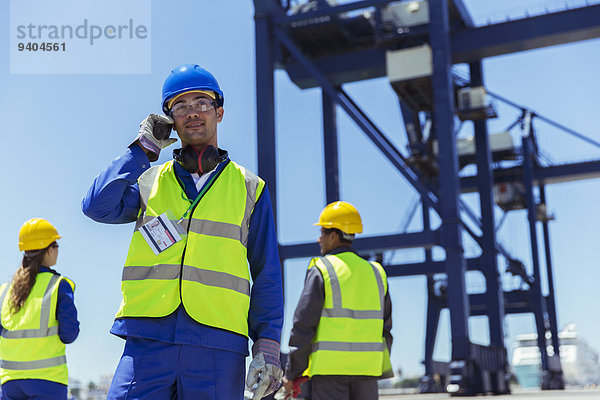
[(199, 162)]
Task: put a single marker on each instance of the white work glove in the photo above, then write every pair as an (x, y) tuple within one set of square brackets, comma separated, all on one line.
[(265, 375), (147, 139)]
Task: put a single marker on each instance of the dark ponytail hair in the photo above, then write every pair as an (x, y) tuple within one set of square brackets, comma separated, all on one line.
[(24, 278)]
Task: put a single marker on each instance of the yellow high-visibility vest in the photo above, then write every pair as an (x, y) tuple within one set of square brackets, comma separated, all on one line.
[(207, 270), (349, 338), (29, 345)]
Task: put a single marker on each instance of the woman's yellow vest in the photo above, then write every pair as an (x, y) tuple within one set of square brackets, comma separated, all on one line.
[(30, 347), (206, 271), (349, 338)]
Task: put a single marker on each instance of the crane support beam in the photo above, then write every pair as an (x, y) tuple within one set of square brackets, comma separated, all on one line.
[(548, 175), (515, 302), (425, 239), (526, 34), (467, 45), (432, 267)]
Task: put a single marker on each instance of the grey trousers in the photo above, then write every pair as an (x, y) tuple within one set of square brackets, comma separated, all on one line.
[(337, 387)]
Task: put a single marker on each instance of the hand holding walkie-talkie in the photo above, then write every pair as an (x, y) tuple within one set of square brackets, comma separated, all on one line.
[(162, 130), (154, 134)]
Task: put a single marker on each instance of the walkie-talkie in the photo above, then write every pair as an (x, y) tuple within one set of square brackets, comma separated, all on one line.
[(162, 130)]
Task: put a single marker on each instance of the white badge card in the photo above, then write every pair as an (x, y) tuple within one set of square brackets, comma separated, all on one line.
[(160, 233)]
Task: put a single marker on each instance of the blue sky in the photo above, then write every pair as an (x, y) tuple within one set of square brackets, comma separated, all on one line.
[(62, 130)]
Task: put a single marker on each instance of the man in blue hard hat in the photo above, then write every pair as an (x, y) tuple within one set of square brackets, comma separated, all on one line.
[(204, 227)]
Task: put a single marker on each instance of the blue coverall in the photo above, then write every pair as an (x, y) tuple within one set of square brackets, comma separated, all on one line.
[(68, 330), (175, 356)]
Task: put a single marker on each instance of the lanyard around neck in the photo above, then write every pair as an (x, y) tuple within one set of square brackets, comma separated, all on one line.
[(206, 186)]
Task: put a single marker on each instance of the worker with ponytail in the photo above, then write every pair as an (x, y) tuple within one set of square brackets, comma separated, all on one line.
[(38, 318)]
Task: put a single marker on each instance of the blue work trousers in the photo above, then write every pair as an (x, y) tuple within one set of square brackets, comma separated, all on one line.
[(153, 370), (33, 389)]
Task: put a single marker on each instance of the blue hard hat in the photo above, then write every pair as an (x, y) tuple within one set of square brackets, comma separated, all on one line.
[(188, 77)]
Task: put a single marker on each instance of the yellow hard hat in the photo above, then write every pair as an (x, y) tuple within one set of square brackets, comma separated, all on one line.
[(341, 215), (37, 233)]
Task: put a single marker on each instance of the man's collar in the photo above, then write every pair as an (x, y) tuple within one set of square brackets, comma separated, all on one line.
[(342, 249)]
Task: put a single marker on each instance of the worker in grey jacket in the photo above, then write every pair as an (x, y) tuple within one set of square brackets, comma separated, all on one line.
[(341, 335)]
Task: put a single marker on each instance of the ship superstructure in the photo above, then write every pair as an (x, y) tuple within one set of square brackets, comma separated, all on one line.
[(579, 361)]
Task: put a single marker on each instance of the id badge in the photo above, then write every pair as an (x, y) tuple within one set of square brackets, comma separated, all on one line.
[(160, 233)]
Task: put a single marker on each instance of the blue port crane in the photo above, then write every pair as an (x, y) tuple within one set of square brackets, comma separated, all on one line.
[(321, 43)]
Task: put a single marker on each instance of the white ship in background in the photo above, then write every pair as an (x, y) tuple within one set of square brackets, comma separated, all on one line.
[(579, 361)]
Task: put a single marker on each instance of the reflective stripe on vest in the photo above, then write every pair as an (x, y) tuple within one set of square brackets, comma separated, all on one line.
[(345, 346), (158, 271), (338, 311), (349, 338), (45, 329), (205, 227), (210, 257), (37, 364), (29, 344), (216, 278)]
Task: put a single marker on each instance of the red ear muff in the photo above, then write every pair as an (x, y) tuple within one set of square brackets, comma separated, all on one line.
[(199, 162)]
